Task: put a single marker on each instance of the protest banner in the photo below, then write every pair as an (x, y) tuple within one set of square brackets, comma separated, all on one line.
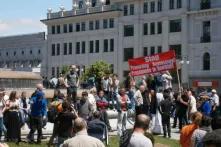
[(152, 64)]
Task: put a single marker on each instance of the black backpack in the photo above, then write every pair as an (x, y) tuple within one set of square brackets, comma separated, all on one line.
[(125, 138)]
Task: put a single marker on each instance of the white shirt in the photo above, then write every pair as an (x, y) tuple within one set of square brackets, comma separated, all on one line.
[(192, 103), (139, 140), (215, 99), (167, 82), (138, 98), (92, 101), (6, 97)]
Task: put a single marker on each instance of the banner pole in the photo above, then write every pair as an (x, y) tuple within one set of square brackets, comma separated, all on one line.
[(178, 78)]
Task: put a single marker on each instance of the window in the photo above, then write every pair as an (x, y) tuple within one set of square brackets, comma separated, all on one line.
[(128, 30), (53, 50), (159, 5), (58, 49), (206, 32), (58, 71), (112, 68), (105, 23), (97, 24), (145, 51), (105, 45), (131, 9), (70, 48), (77, 51), (6, 53), (171, 4), (65, 49), (53, 29), (70, 28), (65, 28), (152, 28), (83, 26), (128, 53), (145, 29), (125, 10), (175, 25), (177, 49), (58, 29), (145, 7), (111, 23), (205, 4), (14, 53), (78, 27), (97, 46), (80, 4), (52, 71), (179, 4), (30, 52), (152, 7), (22, 52), (39, 51), (159, 49), (107, 2), (91, 25), (83, 47), (111, 45), (159, 27), (93, 3), (152, 50), (206, 61), (91, 47)]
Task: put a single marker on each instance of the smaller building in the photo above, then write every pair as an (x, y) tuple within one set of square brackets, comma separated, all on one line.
[(23, 52)]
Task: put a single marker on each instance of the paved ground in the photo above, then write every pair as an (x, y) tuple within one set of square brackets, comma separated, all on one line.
[(47, 131)]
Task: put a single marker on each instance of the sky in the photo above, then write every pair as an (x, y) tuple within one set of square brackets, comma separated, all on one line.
[(23, 16)]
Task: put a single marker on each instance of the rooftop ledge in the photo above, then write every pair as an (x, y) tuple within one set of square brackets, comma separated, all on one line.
[(82, 11)]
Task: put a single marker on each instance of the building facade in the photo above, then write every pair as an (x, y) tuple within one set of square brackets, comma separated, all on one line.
[(117, 30), (23, 52)]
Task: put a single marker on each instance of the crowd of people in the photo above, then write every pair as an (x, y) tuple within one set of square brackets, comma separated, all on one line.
[(83, 120)]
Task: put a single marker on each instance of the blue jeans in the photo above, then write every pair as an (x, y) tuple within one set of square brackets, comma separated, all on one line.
[(2, 127)]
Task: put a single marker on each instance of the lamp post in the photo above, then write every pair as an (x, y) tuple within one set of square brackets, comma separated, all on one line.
[(184, 63), (102, 4), (62, 11), (75, 8), (88, 4), (49, 13)]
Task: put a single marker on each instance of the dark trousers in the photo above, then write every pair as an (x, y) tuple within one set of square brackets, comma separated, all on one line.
[(182, 120), (36, 123), (105, 119), (166, 125), (72, 94)]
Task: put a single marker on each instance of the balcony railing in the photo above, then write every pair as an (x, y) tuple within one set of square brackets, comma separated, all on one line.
[(205, 5), (205, 39), (82, 11)]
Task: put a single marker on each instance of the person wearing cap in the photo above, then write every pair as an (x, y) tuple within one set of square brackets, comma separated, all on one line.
[(72, 83), (215, 101)]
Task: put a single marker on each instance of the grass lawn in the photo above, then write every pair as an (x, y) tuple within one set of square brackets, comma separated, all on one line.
[(114, 142)]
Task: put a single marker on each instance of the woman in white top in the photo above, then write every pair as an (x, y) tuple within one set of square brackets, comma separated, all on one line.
[(2, 109)]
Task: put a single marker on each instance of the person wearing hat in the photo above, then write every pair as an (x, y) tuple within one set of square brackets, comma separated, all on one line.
[(215, 101)]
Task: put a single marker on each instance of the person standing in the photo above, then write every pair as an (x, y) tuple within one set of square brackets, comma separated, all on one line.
[(2, 109), (192, 103), (38, 114), (138, 139), (165, 108), (167, 80), (84, 107), (24, 107), (122, 103), (215, 101), (182, 111), (13, 118), (81, 139), (72, 83)]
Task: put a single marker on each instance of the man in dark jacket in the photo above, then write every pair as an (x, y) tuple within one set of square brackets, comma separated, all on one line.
[(164, 109), (38, 113)]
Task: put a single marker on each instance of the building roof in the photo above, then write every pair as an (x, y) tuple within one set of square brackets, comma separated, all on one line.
[(19, 75)]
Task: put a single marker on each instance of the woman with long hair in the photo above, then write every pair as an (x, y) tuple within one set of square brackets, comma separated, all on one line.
[(13, 118)]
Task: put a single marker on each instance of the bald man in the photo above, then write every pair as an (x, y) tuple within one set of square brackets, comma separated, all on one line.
[(82, 139), (138, 139)]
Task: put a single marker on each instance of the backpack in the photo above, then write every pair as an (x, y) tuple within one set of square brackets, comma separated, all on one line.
[(125, 138)]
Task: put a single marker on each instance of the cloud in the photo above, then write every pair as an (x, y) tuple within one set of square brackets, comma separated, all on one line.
[(20, 26)]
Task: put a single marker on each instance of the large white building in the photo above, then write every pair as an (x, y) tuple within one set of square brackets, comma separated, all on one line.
[(117, 30), (23, 52)]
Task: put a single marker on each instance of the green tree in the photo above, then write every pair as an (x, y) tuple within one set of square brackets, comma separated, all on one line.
[(65, 69), (97, 70)]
